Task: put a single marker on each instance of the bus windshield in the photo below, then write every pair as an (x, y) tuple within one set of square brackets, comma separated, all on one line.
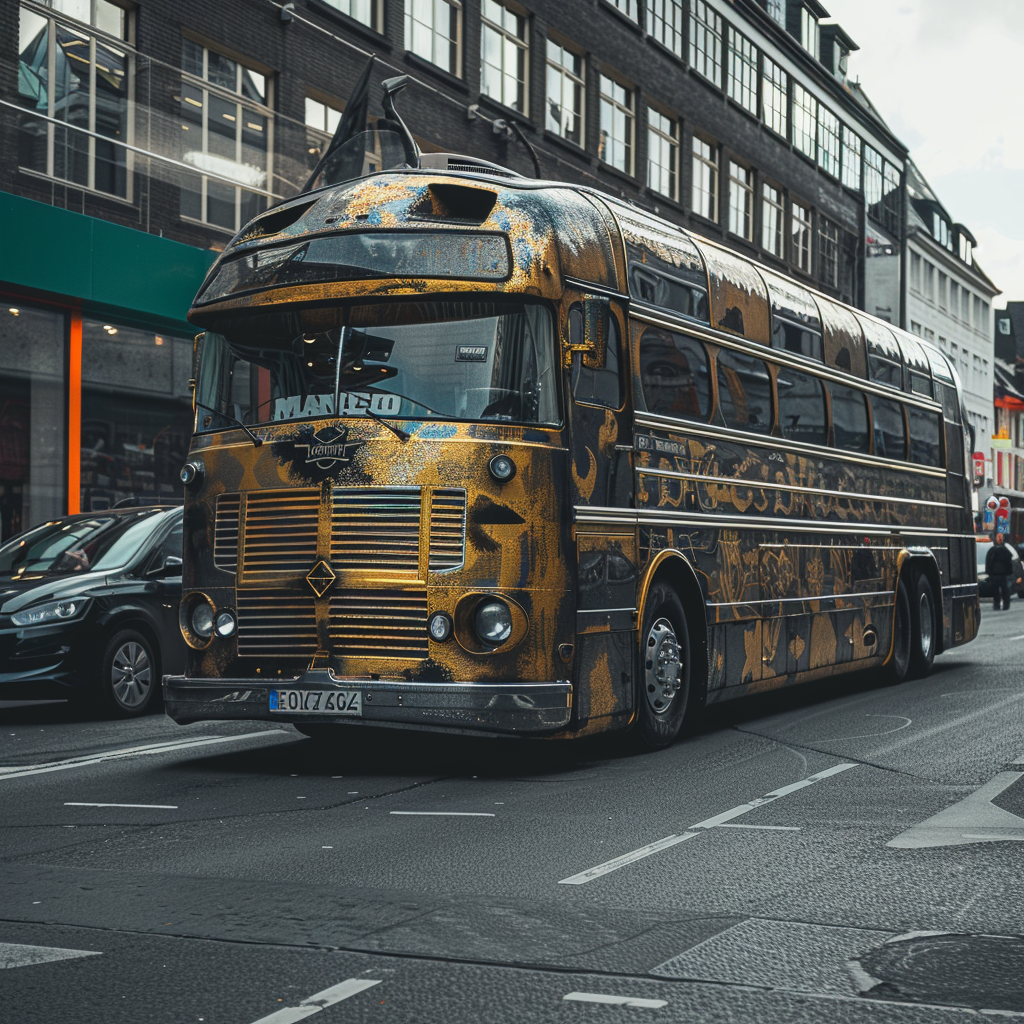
[(488, 361)]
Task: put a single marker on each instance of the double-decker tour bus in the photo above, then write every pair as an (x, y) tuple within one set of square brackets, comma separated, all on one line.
[(480, 453)]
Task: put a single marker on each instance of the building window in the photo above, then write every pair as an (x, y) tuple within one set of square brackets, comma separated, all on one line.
[(741, 201), (828, 141), (915, 272), (226, 128), (954, 298), (83, 79), (742, 71), (851, 158), (630, 8), (662, 154), (368, 12), (943, 285), (828, 252), (872, 178), (665, 23), (891, 197), (774, 85), (800, 231), (777, 9), (433, 31), (773, 218), (805, 120), (810, 33), (32, 414), (705, 178), (966, 250), (929, 281), (617, 124), (321, 123), (1004, 325), (565, 90), (503, 55), (706, 41), (915, 328), (941, 231), (965, 306)]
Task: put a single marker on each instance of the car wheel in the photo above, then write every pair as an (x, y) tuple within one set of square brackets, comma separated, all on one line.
[(895, 669), (664, 683), (129, 674), (924, 632)]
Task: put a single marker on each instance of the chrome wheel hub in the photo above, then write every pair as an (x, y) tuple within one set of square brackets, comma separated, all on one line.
[(925, 618), (131, 674), (663, 666)]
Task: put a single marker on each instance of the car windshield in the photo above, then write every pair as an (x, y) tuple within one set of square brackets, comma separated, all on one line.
[(490, 361), (82, 544)]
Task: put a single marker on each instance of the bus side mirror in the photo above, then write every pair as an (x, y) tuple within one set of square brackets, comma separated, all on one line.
[(197, 356)]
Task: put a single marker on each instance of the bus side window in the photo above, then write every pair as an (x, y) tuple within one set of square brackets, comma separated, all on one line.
[(801, 407), (850, 419), (890, 437), (925, 446), (600, 386), (744, 392), (674, 375)]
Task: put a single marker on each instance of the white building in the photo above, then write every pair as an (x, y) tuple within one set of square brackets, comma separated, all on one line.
[(949, 301)]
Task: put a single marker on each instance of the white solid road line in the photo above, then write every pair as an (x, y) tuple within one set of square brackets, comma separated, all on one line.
[(14, 955), (708, 823), (597, 997), (316, 1003), (765, 828), (151, 807), (445, 814), (126, 752)]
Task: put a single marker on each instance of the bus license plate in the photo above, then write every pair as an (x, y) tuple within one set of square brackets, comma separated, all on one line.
[(317, 702)]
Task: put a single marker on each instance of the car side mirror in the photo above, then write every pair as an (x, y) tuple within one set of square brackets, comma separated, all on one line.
[(171, 566)]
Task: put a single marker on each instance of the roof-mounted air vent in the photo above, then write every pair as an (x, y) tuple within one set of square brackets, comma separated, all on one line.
[(278, 220), (460, 203), (461, 164)]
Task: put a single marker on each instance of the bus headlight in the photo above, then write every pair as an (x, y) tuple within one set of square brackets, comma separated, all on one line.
[(225, 624), (502, 468), (493, 622), (202, 620), (192, 473)]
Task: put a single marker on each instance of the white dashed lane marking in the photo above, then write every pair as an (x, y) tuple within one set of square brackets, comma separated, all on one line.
[(598, 997), (150, 807), (444, 814), (14, 955), (318, 1002)]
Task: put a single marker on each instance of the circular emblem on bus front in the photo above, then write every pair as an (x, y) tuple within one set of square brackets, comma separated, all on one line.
[(320, 578)]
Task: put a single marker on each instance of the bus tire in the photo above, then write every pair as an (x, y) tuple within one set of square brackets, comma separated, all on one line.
[(923, 628), (895, 669), (665, 670)]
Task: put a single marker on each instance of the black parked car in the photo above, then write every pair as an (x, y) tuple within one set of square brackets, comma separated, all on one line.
[(89, 608)]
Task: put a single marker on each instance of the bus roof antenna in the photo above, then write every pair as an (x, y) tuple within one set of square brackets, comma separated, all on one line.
[(391, 86)]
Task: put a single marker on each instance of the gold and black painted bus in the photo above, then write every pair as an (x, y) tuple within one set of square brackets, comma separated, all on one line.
[(485, 454)]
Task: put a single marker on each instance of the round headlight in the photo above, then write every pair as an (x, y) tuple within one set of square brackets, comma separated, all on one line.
[(440, 626), (502, 468), (202, 620), (493, 622), (192, 473), (225, 624)]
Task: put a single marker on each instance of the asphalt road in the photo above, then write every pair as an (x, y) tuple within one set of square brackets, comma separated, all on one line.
[(839, 853)]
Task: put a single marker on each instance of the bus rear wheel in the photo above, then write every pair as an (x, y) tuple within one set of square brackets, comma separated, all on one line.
[(665, 670), (902, 636), (923, 628)]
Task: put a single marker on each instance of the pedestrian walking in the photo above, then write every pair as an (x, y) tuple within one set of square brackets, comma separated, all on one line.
[(999, 566)]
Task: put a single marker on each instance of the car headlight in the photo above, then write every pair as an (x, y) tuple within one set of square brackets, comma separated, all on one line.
[(493, 622), (51, 611)]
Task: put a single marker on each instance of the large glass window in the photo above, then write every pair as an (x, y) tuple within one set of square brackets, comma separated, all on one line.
[(503, 54), (399, 360), (226, 126), (849, 419), (322, 120), (32, 446), (744, 392), (801, 407), (617, 125), (136, 414), (805, 120), (828, 141), (741, 200), (630, 8), (742, 71), (705, 178), (891, 195), (800, 229), (810, 33), (593, 384), (774, 88), (565, 92), (706, 41), (890, 435), (851, 158), (433, 31), (674, 375), (665, 23), (369, 12), (76, 72), (872, 178), (828, 252), (773, 219), (662, 154)]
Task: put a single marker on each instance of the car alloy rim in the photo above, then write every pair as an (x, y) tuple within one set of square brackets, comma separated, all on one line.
[(131, 674), (926, 625), (663, 666)]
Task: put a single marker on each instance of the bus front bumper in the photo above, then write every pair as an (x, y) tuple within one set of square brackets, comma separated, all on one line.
[(497, 708)]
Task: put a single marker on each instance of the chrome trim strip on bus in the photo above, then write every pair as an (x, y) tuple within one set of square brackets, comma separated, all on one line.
[(803, 600), (766, 486), (602, 611), (692, 427), (656, 316)]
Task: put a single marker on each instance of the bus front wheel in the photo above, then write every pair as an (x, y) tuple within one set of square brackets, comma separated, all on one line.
[(923, 628), (665, 670)]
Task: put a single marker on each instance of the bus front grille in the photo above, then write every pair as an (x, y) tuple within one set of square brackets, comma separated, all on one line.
[(225, 532), (280, 531), (379, 623), (447, 529), (376, 529), (276, 623)]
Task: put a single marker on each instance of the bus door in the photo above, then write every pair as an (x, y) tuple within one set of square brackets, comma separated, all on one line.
[(601, 473)]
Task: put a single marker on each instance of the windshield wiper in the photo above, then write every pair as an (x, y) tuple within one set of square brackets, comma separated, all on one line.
[(402, 435), (342, 335), (256, 440)]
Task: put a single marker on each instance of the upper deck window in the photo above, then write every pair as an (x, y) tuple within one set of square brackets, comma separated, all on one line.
[(801, 407), (504, 54), (433, 31), (849, 419), (674, 375), (565, 92), (618, 125), (706, 41), (665, 23), (890, 432), (744, 392)]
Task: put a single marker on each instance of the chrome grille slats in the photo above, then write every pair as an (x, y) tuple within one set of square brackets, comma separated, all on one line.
[(379, 623), (447, 529), (276, 623), (376, 529), (225, 532), (281, 531)]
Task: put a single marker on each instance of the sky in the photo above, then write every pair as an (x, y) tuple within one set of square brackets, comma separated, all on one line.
[(947, 76)]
